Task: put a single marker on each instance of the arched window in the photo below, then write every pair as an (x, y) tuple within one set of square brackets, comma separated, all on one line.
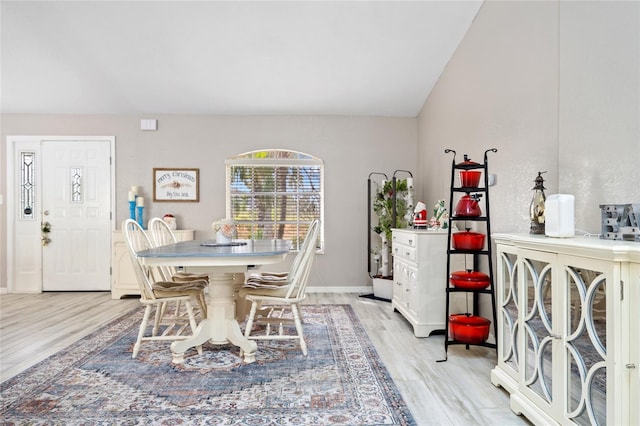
[(275, 193)]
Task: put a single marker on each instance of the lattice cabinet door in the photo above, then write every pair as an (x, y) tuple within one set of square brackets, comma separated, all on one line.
[(589, 297), (539, 326), (508, 309)]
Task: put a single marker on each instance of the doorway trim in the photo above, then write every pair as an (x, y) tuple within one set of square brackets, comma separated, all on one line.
[(12, 141)]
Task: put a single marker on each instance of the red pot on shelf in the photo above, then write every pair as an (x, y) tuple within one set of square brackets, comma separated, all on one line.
[(469, 280), (467, 240), (467, 328), (468, 206), (470, 178)]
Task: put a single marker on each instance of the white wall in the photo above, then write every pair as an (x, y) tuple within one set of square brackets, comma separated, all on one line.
[(351, 147), (599, 98), (554, 87)]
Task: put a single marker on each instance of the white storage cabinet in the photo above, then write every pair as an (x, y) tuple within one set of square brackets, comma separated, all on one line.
[(569, 344), (419, 278)]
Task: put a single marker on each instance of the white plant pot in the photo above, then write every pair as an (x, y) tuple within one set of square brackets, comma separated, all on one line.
[(383, 288)]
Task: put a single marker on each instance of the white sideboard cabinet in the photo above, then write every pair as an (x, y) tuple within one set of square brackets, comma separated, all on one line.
[(419, 278), (568, 328), (123, 277)]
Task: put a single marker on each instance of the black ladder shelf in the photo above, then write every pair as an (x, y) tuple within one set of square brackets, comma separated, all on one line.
[(477, 254)]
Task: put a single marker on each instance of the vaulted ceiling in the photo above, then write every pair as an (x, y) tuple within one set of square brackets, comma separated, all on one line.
[(378, 58)]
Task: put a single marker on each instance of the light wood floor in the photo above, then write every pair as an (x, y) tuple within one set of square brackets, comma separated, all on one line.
[(456, 392)]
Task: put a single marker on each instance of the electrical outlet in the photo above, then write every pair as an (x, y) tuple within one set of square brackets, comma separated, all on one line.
[(149, 124)]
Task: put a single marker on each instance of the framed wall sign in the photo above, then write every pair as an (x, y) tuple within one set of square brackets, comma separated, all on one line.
[(176, 185)]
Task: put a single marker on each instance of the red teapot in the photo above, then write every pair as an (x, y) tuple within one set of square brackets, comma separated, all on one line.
[(468, 206)]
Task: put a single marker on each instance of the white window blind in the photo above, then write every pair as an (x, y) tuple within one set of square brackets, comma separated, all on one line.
[(275, 194)]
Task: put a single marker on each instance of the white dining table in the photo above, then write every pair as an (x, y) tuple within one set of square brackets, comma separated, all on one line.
[(221, 262)]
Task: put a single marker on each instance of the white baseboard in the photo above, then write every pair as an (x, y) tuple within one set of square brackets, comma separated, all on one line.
[(4, 290), (337, 289)]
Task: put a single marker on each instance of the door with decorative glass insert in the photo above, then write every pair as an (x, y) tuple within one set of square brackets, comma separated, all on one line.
[(74, 253), (76, 192)]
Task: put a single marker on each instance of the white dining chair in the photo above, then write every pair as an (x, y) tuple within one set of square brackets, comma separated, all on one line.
[(155, 292), (162, 235), (271, 297)]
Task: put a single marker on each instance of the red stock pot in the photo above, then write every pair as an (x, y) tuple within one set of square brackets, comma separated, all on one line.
[(469, 280), (467, 328), (470, 178), (468, 240)]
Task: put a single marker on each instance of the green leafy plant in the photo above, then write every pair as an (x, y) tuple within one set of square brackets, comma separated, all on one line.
[(383, 208)]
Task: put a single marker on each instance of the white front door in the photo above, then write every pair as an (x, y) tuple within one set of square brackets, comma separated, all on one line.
[(71, 195), (76, 204)]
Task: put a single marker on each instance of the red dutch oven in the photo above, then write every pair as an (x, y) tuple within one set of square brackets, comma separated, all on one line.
[(469, 178), (468, 240), (467, 328), (468, 206), (469, 280)]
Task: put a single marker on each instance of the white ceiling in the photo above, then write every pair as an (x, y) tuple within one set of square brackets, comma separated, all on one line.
[(378, 58)]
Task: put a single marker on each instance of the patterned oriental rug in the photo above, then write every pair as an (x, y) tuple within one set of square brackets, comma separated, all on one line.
[(95, 381)]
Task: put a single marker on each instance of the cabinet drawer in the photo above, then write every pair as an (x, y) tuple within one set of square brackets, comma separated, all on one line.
[(408, 239), (404, 252)]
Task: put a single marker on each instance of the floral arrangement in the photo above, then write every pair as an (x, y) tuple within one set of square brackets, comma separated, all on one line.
[(225, 226)]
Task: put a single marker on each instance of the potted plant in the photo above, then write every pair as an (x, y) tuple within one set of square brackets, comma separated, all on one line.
[(383, 208)]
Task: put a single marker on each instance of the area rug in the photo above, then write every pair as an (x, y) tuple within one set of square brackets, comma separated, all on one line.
[(95, 381)]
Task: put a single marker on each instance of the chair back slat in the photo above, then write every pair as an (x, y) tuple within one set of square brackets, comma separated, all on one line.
[(138, 240), (301, 266), (161, 235)]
